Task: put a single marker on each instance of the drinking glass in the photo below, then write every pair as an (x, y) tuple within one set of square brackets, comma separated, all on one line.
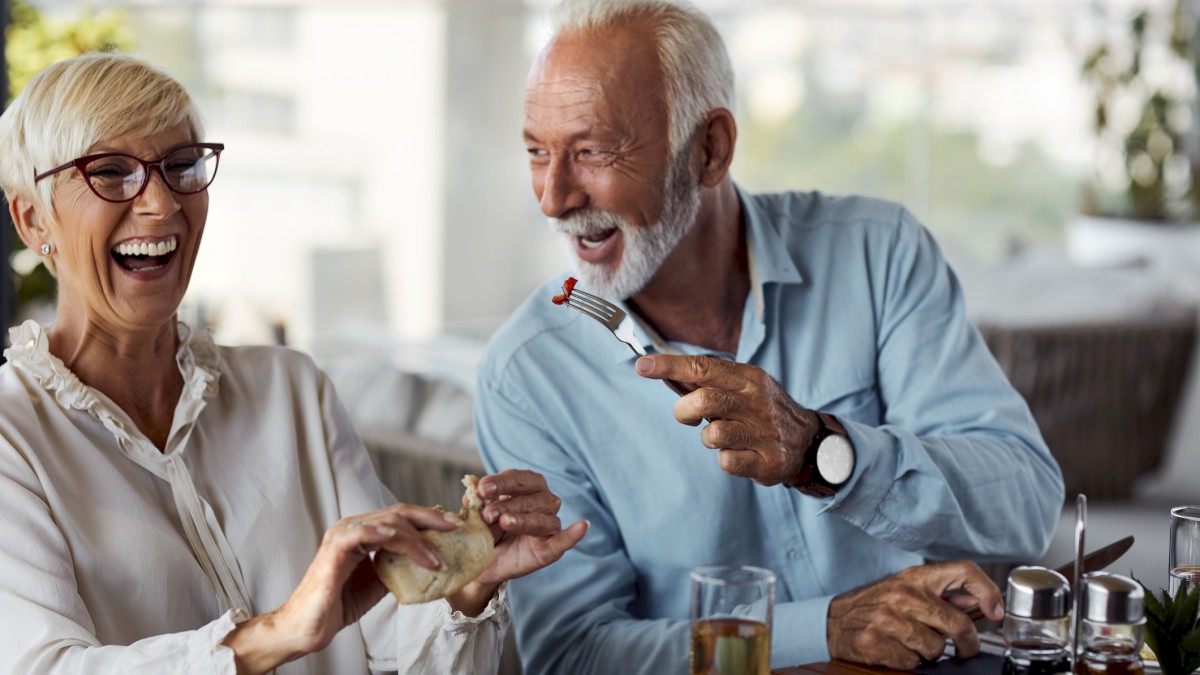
[(1184, 562), (731, 620)]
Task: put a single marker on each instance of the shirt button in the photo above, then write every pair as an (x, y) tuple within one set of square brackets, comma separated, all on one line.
[(793, 553)]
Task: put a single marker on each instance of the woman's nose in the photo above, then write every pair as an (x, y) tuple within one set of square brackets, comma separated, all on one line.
[(156, 197)]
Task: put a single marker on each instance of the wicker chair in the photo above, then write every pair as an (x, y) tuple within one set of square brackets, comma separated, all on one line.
[(1105, 396)]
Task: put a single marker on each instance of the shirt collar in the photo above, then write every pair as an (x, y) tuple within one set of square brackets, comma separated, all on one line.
[(769, 263), (767, 250)]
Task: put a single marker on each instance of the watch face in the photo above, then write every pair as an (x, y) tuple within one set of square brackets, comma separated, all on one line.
[(835, 459)]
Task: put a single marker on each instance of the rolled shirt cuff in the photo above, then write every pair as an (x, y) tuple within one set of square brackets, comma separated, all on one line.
[(799, 632)]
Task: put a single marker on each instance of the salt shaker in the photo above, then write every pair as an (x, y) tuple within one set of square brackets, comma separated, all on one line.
[(1114, 625), (1037, 623)]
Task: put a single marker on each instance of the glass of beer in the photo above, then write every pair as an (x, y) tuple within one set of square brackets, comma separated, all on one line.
[(1184, 561), (731, 620)]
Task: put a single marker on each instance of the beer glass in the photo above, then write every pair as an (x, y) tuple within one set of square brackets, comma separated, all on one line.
[(1184, 560), (731, 620)]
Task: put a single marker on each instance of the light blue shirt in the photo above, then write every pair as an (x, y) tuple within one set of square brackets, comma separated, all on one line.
[(855, 312)]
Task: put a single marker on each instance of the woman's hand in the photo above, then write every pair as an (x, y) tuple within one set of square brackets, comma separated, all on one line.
[(523, 515), (339, 587)]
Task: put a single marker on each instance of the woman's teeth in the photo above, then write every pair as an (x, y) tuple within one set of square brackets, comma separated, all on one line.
[(148, 248)]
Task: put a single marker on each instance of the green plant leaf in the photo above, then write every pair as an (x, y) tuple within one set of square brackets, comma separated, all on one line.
[(1191, 644), (1173, 628), (1153, 606), (1185, 610)]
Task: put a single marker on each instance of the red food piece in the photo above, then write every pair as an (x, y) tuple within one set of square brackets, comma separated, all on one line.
[(567, 287)]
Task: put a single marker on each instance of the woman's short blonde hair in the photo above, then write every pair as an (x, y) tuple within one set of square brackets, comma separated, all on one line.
[(74, 104)]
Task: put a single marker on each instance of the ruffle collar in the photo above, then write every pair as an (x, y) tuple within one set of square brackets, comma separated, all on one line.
[(197, 357)]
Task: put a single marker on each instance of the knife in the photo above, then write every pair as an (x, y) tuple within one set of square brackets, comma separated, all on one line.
[(1096, 560)]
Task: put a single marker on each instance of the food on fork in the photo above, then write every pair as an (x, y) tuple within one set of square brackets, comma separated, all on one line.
[(466, 552), (567, 287)]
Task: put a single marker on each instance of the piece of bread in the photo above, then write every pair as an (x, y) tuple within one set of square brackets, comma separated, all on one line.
[(466, 552)]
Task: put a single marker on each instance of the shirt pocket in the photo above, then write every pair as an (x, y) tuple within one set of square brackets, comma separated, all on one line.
[(854, 397)]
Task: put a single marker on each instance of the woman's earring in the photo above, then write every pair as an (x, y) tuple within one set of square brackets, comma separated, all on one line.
[(45, 249)]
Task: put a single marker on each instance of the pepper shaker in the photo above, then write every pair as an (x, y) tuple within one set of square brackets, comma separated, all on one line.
[(1037, 622), (1114, 625)]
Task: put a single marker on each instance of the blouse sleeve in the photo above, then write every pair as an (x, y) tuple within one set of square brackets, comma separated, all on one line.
[(45, 627), (425, 638), (433, 640)]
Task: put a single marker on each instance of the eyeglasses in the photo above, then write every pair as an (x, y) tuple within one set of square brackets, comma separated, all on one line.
[(117, 177)]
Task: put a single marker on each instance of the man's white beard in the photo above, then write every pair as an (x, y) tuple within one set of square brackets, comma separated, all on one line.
[(645, 248)]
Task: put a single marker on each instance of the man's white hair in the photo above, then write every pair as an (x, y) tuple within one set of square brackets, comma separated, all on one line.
[(697, 74)]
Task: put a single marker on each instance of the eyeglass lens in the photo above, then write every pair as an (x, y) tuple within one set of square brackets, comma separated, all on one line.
[(121, 177)]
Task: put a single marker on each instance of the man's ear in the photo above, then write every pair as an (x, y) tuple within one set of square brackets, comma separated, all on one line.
[(716, 137), (29, 226)]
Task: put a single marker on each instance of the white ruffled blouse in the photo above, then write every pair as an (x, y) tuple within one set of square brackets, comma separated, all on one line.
[(118, 558)]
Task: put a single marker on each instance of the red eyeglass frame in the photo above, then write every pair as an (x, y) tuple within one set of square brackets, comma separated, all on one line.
[(82, 162)]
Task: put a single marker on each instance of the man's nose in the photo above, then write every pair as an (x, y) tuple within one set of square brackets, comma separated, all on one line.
[(561, 193)]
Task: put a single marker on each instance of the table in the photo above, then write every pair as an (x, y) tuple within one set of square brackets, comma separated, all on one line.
[(980, 664), (834, 668)]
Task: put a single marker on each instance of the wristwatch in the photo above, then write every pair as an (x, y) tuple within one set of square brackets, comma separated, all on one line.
[(828, 462)]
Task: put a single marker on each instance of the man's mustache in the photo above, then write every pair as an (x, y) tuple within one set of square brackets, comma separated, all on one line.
[(583, 223)]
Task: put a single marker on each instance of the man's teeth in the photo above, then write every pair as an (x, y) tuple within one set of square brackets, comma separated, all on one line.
[(147, 248), (595, 239)]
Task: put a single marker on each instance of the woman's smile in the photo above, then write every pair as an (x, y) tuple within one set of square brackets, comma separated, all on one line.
[(143, 256)]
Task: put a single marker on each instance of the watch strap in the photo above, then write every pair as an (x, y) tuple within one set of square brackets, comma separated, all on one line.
[(808, 479)]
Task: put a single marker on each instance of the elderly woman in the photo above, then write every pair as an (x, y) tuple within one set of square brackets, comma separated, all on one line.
[(171, 506)]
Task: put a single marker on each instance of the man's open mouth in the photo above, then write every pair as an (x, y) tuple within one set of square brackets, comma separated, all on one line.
[(595, 240), (141, 255)]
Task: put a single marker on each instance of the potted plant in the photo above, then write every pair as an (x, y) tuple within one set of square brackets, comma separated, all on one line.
[(1173, 629), (1144, 198)]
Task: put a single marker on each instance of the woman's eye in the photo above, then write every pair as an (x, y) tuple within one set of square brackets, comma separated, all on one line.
[(107, 171)]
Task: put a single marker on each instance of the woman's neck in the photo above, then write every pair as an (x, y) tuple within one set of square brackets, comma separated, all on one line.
[(136, 369)]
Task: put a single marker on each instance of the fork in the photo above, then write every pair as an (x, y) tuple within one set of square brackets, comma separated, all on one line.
[(618, 322)]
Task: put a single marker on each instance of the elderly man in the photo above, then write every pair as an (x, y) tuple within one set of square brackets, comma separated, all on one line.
[(857, 422)]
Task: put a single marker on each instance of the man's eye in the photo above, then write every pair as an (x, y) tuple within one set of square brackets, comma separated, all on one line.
[(537, 154), (594, 155)]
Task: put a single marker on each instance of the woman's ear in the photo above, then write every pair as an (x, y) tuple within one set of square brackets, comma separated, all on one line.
[(717, 136), (29, 227)]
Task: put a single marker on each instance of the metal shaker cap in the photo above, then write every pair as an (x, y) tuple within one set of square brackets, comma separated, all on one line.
[(1112, 598), (1037, 593)]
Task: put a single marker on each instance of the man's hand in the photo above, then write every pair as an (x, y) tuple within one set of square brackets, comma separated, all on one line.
[(897, 621), (760, 432), (523, 515)]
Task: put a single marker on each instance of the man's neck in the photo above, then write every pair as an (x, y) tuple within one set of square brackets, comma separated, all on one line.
[(699, 294)]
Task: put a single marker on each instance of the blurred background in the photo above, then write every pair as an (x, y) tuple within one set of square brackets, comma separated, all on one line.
[(384, 137), (373, 205)]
